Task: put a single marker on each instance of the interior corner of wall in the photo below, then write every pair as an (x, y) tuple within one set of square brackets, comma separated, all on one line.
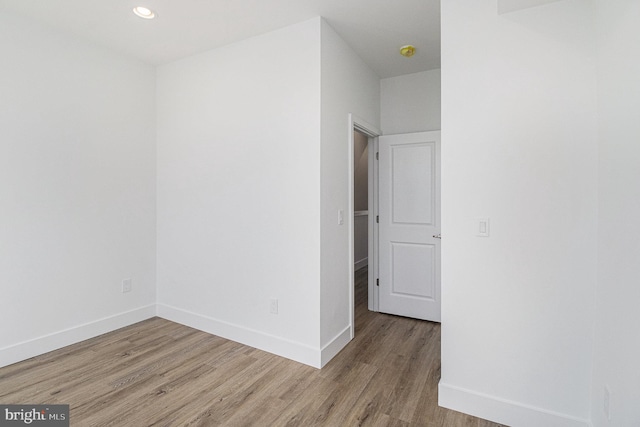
[(507, 6)]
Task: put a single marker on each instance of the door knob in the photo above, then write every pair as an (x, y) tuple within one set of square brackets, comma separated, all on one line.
[(437, 236)]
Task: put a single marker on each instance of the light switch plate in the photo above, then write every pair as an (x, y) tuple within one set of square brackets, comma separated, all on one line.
[(482, 227), (273, 306)]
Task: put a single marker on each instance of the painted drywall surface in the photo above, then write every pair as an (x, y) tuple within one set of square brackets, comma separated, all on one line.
[(506, 6), (360, 172), (77, 183), (617, 345), (239, 182), (519, 147), (361, 241), (410, 103), (348, 86)]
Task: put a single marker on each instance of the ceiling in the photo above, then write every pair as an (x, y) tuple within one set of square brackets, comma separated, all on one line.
[(375, 29)]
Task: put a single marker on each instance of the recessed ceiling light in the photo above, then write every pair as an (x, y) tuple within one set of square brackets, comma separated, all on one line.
[(144, 12), (407, 50)]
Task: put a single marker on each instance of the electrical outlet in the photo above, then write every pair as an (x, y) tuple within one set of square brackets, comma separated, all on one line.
[(126, 285), (273, 306), (606, 403)]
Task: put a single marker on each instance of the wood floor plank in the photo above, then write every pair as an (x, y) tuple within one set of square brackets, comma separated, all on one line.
[(159, 373)]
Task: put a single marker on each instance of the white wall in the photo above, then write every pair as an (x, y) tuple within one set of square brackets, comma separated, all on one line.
[(348, 86), (506, 6), (77, 190), (360, 241), (519, 147), (239, 181), (410, 103), (360, 171), (617, 347), (239, 191)]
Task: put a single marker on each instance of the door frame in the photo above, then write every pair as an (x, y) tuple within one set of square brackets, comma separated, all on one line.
[(361, 125)]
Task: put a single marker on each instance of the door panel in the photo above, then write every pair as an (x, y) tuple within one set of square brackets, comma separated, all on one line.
[(411, 276), (409, 208), (412, 185)]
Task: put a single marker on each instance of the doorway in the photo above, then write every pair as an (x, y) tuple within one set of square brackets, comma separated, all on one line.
[(360, 200), (361, 146), (363, 190), (408, 284)]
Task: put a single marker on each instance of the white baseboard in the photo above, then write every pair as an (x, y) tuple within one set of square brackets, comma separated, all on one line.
[(502, 411), (336, 344), (37, 346), (362, 263), (269, 343), (272, 344)]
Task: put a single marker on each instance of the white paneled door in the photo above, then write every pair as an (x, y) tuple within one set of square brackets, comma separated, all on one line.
[(409, 225)]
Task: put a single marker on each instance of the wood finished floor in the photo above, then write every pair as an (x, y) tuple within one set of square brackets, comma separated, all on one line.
[(159, 373)]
